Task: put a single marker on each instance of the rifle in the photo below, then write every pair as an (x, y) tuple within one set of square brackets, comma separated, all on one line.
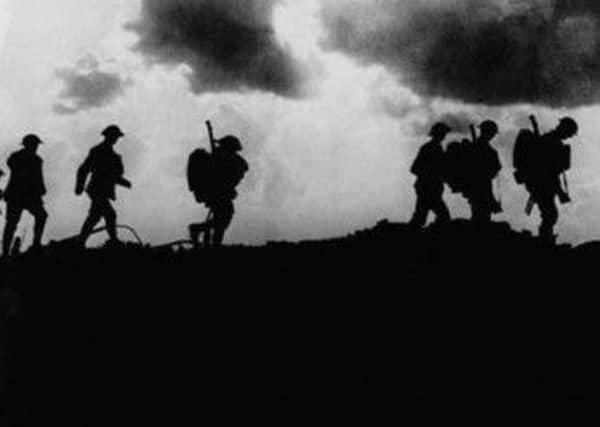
[(209, 214), (211, 136), (1, 191), (473, 133), (536, 131)]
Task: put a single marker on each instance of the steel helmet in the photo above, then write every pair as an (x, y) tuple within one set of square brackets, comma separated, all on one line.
[(112, 131), (231, 143), (31, 139), (439, 129), (568, 125), (489, 126)]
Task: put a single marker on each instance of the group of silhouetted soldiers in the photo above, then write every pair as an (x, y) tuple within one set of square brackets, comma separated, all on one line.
[(470, 167), (98, 176)]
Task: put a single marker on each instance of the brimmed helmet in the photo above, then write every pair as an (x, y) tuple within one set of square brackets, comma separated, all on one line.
[(112, 131), (488, 126), (31, 140), (568, 125), (439, 129), (231, 143)]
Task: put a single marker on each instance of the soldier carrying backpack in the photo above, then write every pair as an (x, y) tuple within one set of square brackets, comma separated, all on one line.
[(539, 162), (212, 178), (483, 169), (430, 169)]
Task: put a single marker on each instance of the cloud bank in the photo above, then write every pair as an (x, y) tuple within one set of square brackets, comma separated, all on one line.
[(85, 90), (495, 52), (229, 45)]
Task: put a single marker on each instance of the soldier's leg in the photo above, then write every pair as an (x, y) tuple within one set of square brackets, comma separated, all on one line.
[(40, 216), (13, 215), (201, 228), (419, 218), (94, 216), (222, 219), (439, 207), (549, 213), (480, 212), (110, 217)]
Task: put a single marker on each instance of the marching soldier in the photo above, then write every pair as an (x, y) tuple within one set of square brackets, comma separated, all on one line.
[(215, 186), (429, 168), (551, 160), (105, 167), (25, 191), (484, 168)]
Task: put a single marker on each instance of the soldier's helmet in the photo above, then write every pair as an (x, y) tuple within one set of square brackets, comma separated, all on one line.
[(489, 127), (568, 127), (31, 140), (439, 129), (112, 131), (230, 143)]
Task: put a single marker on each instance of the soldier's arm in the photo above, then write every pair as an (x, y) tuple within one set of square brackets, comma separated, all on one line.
[(121, 180), (124, 182), (82, 174), (416, 167), (11, 161), (497, 165), (42, 184)]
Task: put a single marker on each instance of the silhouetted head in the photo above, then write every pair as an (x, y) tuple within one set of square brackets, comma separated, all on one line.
[(31, 142), (489, 129), (567, 128), (112, 133), (230, 143), (439, 130)]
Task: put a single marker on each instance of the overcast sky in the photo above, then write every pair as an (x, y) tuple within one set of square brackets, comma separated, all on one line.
[(331, 99)]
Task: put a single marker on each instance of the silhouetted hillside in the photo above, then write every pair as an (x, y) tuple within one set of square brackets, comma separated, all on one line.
[(383, 323)]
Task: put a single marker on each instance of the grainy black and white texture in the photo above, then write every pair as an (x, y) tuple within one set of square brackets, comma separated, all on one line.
[(493, 52)]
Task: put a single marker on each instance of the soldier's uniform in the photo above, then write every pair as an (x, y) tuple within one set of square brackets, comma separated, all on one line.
[(429, 168), (544, 180), (24, 191), (106, 169), (228, 169), (485, 166)]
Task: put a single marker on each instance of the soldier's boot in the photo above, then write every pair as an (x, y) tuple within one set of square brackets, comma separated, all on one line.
[(7, 238), (86, 229), (218, 236), (547, 236), (38, 230), (111, 228), (196, 230)]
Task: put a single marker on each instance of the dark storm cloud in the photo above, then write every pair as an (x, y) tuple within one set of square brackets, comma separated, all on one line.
[(84, 90), (495, 52), (229, 45)]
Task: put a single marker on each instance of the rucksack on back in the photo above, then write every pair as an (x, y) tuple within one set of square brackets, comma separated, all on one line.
[(529, 152), (456, 165), (200, 174), (525, 154)]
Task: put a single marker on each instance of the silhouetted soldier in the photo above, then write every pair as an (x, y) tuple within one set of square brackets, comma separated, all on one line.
[(24, 191), (227, 169), (106, 169), (1, 190), (429, 168), (543, 181), (484, 168)]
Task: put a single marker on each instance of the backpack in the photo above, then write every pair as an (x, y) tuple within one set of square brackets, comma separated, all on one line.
[(525, 153), (531, 150), (457, 164), (201, 174)]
